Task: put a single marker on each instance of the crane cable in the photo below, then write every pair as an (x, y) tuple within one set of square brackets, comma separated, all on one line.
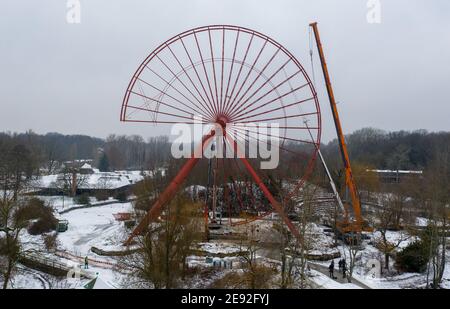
[(311, 54)]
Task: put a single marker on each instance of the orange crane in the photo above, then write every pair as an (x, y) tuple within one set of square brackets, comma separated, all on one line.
[(347, 225)]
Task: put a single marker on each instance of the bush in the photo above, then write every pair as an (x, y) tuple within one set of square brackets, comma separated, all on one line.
[(413, 258), (45, 223), (50, 241), (102, 195), (31, 209), (82, 199), (144, 204), (122, 196), (42, 215)]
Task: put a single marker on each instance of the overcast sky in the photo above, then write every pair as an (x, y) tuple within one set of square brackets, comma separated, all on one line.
[(71, 78)]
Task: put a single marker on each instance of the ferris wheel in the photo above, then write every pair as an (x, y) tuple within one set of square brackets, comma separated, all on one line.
[(247, 86)]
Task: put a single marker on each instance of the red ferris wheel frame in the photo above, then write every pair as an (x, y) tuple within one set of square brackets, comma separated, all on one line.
[(202, 97)]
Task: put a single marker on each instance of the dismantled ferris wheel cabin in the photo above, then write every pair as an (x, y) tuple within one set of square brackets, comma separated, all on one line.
[(229, 77)]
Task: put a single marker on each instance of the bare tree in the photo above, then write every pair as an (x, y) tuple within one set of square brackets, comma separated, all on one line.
[(294, 252), (352, 249), (15, 173), (387, 218), (437, 190), (160, 261), (256, 275), (69, 180)]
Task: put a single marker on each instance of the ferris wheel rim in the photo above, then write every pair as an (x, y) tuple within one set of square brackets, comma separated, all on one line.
[(280, 47), (224, 27)]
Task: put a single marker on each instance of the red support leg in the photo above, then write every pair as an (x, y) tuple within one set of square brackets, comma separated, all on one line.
[(169, 192), (266, 191)]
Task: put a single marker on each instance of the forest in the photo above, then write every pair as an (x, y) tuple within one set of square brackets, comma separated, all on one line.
[(400, 150)]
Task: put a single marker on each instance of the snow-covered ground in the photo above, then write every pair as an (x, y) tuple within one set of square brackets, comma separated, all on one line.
[(322, 281), (370, 255), (96, 226), (88, 227), (94, 180), (65, 203), (219, 247)]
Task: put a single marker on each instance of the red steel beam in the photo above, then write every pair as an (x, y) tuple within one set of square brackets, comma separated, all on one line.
[(265, 190), (170, 191)]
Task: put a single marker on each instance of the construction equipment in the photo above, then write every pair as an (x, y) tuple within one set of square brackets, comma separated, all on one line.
[(327, 171), (356, 223)]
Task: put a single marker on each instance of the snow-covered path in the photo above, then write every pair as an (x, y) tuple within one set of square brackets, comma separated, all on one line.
[(339, 282), (94, 226)]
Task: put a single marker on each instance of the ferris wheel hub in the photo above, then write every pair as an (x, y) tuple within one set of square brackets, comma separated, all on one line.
[(222, 120)]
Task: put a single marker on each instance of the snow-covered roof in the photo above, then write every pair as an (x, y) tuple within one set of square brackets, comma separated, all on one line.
[(86, 166), (396, 171), (101, 285), (97, 180)]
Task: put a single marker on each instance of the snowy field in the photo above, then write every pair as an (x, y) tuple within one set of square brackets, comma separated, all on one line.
[(96, 226)]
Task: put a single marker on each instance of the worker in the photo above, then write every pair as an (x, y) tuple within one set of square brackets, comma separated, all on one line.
[(331, 269), (86, 262), (344, 268)]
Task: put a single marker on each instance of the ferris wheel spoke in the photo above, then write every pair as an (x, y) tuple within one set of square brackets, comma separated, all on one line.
[(204, 104), (277, 137), (248, 75), (157, 101), (179, 80), (240, 71), (203, 112), (206, 73), (244, 112), (280, 117), (238, 105), (211, 107), (231, 69), (238, 113), (214, 68), (267, 81), (170, 85), (162, 113), (163, 122), (223, 63), (244, 136), (280, 127), (274, 109)]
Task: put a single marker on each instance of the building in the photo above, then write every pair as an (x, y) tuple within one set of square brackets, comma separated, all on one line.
[(395, 176)]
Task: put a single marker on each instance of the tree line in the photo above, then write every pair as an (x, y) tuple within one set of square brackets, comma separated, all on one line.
[(400, 150), (46, 153)]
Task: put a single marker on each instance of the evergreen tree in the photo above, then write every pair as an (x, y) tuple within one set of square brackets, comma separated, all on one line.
[(103, 165)]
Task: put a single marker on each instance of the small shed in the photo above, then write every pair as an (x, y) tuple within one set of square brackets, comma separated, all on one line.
[(62, 226)]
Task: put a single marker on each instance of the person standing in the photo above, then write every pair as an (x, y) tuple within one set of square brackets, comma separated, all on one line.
[(86, 262), (344, 269), (331, 269)]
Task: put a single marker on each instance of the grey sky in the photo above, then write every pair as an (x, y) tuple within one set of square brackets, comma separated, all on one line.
[(70, 78)]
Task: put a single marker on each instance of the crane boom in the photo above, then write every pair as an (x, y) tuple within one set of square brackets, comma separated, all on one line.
[(349, 180)]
